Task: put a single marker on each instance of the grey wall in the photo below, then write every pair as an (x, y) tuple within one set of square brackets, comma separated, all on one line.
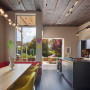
[(68, 33), (79, 49), (84, 35), (2, 39), (11, 35)]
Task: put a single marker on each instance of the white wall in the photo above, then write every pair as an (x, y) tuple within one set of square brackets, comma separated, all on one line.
[(68, 33)]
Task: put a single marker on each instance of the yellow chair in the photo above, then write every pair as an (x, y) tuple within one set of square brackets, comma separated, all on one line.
[(25, 83), (34, 66), (29, 71)]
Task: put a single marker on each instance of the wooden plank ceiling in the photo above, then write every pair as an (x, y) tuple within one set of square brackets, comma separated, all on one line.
[(54, 12), (26, 20)]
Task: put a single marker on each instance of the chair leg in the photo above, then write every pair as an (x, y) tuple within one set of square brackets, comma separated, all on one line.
[(34, 87)]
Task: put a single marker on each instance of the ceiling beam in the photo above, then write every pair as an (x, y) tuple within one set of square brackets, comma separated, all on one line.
[(21, 5), (10, 5), (63, 12), (33, 3), (58, 1), (44, 6)]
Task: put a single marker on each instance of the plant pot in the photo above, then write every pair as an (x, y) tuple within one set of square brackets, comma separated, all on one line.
[(24, 59), (31, 59)]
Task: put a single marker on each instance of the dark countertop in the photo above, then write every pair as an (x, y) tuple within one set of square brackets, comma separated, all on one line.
[(75, 59)]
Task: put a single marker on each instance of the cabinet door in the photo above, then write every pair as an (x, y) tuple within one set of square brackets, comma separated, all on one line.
[(65, 68), (70, 71)]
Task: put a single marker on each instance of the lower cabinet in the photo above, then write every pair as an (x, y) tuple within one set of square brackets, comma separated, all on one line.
[(67, 70), (77, 73)]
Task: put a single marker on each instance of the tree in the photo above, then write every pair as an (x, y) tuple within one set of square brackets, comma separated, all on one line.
[(45, 47), (56, 45), (32, 45)]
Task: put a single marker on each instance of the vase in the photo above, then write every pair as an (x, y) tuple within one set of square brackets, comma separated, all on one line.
[(11, 63)]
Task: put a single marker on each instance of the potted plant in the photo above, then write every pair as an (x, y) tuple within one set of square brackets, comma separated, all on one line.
[(31, 58)]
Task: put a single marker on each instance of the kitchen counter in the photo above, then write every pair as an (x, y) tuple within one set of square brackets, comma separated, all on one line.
[(77, 72)]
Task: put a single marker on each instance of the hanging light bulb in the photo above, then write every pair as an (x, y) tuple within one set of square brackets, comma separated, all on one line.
[(14, 24), (9, 20), (1, 11), (10, 23), (5, 15), (17, 27)]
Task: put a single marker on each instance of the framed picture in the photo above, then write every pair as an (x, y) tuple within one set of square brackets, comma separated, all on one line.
[(68, 50)]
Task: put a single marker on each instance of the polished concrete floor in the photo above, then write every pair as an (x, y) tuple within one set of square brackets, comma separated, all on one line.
[(51, 80)]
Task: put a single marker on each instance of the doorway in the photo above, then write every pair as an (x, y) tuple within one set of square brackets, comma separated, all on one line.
[(52, 49)]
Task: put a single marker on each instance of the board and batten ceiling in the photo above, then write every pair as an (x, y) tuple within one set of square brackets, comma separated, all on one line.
[(53, 11)]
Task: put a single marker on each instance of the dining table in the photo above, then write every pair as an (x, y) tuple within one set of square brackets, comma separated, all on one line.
[(9, 77)]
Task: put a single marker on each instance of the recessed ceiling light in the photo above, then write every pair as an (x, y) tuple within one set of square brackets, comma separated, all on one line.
[(70, 10)]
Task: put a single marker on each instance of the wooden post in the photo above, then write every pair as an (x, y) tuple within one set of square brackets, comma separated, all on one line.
[(21, 43)]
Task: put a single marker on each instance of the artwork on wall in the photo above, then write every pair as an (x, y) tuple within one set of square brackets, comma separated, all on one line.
[(38, 46), (68, 50), (10, 44), (39, 40)]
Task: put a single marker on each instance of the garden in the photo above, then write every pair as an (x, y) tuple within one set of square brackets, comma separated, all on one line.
[(51, 50)]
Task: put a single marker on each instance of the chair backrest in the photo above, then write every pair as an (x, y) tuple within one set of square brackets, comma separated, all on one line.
[(30, 83), (37, 64)]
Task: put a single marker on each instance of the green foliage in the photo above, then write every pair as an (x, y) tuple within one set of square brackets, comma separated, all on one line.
[(45, 47), (19, 48), (55, 59), (51, 53), (32, 45), (58, 54), (24, 48), (28, 56)]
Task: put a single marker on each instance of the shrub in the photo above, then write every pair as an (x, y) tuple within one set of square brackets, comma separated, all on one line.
[(28, 56)]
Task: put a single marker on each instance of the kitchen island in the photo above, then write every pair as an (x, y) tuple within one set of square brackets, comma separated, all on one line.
[(77, 73)]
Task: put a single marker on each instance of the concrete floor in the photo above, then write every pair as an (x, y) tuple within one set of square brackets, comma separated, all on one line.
[(48, 66), (51, 80)]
